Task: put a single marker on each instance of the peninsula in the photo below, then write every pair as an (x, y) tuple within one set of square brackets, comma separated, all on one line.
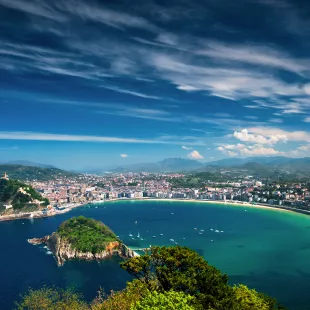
[(84, 238)]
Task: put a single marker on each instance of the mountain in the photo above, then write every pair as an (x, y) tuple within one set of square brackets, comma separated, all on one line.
[(166, 165), (16, 196), (228, 162), (28, 163), (24, 173)]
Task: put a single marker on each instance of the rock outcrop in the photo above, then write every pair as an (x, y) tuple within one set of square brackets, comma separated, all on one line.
[(63, 250)]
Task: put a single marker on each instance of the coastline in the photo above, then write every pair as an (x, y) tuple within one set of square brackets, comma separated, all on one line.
[(39, 214)]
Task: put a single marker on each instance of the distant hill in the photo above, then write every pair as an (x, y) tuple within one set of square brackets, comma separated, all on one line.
[(166, 165), (24, 173), (266, 160), (28, 163), (16, 196)]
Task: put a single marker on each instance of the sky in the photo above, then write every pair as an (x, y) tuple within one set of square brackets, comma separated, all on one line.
[(87, 84)]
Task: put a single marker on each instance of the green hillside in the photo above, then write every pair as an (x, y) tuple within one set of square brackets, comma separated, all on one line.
[(25, 173), (20, 196)]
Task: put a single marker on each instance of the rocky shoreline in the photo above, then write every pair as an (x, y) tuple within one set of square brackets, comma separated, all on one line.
[(63, 251)]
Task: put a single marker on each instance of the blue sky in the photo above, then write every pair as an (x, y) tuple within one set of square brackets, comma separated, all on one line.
[(108, 83)]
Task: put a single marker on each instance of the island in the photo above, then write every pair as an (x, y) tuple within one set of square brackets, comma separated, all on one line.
[(84, 238)]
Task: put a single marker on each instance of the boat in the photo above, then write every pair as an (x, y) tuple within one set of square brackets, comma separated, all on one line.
[(136, 222), (172, 213), (202, 230), (222, 231), (172, 240), (217, 231), (138, 236), (211, 229), (195, 228), (130, 235), (154, 236), (161, 234), (200, 233)]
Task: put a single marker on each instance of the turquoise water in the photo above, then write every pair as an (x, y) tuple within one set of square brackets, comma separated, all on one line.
[(265, 249)]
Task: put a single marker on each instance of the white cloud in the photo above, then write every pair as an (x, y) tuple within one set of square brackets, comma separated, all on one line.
[(133, 93), (307, 120), (194, 155), (187, 88), (37, 136), (244, 150), (290, 135), (254, 55), (186, 147), (124, 155), (245, 136)]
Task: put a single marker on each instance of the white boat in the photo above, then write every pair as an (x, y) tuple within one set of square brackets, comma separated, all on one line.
[(172, 240), (211, 229), (200, 233), (161, 234), (130, 235), (154, 236), (217, 231), (195, 228), (202, 230), (138, 236)]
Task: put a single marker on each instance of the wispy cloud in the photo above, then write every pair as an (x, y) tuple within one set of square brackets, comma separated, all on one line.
[(186, 147), (37, 136), (130, 92), (124, 155)]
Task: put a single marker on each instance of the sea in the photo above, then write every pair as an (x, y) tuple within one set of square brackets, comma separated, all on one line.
[(266, 249)]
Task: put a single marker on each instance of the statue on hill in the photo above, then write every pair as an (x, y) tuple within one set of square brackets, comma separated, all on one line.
[(5, 177)]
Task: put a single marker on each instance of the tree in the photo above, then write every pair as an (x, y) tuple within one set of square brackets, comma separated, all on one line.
[(165, 301), (248, 299), (183, 270), (51, 299)]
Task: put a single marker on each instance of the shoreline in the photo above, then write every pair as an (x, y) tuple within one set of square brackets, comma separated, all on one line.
[(38, 214)]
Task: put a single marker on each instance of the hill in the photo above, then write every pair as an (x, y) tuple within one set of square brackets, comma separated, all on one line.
[(83, 238), (28, 163), (25, 173), (166, 165), (16, 196)]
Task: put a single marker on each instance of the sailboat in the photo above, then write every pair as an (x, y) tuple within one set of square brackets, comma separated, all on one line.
[(138, 236)]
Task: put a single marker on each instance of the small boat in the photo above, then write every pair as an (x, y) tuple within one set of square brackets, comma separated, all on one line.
[(195, 228), (211, 240), (172, 213), (172, 240), (202, 230), (154, 236), (161, 234), (217, 231), (211, 229), (136, 222), (222, 231), (141, 239), (130, 235), (133, 238), (200, 233), (183, 238), (138, 236)]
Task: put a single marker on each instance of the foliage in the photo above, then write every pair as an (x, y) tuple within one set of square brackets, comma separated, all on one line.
[(122, 300), (165, 301), (51, 299), (181, 269), (9, 193), (249, 299), (86, 235), (167, 278)]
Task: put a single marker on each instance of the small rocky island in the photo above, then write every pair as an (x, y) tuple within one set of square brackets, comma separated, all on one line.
[(84, 238)]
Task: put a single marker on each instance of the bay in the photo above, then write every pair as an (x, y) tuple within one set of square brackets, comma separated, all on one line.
[(266, 249)]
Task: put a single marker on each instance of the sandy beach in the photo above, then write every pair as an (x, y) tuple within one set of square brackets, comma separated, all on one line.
[(232, 203)]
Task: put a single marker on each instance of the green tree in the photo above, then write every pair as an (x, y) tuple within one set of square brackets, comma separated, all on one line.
[(182, 269), (51, 299), (165, 301)]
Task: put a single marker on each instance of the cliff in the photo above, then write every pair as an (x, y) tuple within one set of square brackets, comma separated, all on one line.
[(86, 239), (63, 251)]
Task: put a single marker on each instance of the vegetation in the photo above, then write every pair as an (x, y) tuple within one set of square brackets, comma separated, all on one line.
[(25, 173), (51, 299), (167, 278), (86, 235), (20, 200)]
